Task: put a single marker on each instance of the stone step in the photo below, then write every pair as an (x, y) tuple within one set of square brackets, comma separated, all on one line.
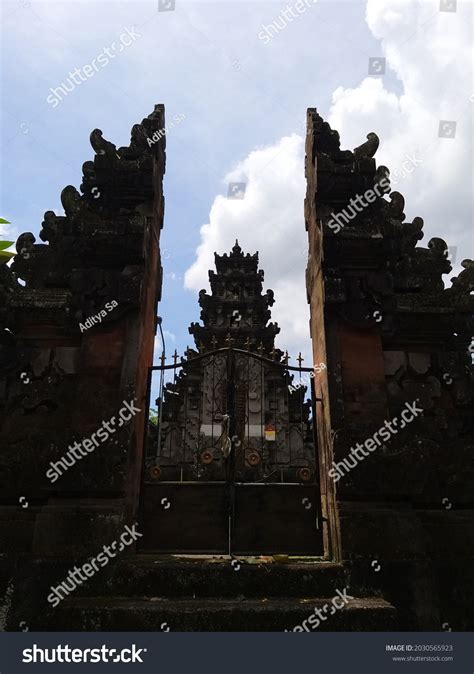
[(165, 576), (216, 615)]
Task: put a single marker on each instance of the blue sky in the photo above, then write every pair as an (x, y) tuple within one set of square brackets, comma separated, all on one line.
[(244, 104)]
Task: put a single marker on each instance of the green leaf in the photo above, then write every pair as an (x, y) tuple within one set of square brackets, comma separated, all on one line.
[(4, 256), (6, 244), (4, 222), (153, 416)]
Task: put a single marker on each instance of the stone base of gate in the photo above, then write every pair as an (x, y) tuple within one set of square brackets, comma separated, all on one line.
[(165, 593), (225, 615)]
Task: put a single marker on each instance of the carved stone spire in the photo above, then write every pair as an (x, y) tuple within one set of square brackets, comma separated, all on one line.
[(237, 304)]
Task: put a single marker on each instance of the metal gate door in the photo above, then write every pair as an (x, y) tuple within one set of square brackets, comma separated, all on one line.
[(231, 462)]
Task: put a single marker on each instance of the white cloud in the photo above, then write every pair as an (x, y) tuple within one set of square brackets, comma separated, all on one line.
[(269, 219), (430, 52), (173, 276)]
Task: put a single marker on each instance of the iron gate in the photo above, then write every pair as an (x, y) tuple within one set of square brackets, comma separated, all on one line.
[(231, 462)]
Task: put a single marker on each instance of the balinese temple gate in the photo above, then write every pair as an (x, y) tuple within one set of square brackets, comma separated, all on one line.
[(231, 465)]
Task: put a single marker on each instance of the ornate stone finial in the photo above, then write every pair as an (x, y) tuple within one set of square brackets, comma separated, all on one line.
[(270, 297), (70, 200), (300, 359), (261, 348), (24, 244), (229, 340), (369, 148), (201, 347), (236, 250), (102, 146), (464, 283), (214, 341), (287, 357), (396, 206), (439, 246), (138, 136), (247, 343), (273, 353)]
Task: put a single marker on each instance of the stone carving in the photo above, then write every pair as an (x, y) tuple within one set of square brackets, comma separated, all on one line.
[(236, 314), (91, 255), (377, 278)]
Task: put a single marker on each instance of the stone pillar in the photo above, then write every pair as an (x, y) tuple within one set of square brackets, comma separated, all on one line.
[(392, 335), (77, 334)]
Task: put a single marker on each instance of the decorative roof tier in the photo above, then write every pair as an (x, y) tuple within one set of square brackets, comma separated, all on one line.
[(237, 306), (236, 260)]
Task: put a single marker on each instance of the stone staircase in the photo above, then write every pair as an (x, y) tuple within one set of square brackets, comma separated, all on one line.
[(167, 593)]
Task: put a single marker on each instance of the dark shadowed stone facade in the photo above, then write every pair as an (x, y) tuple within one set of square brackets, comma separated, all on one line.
[(392, 334), (58, 381), (398, 528)]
